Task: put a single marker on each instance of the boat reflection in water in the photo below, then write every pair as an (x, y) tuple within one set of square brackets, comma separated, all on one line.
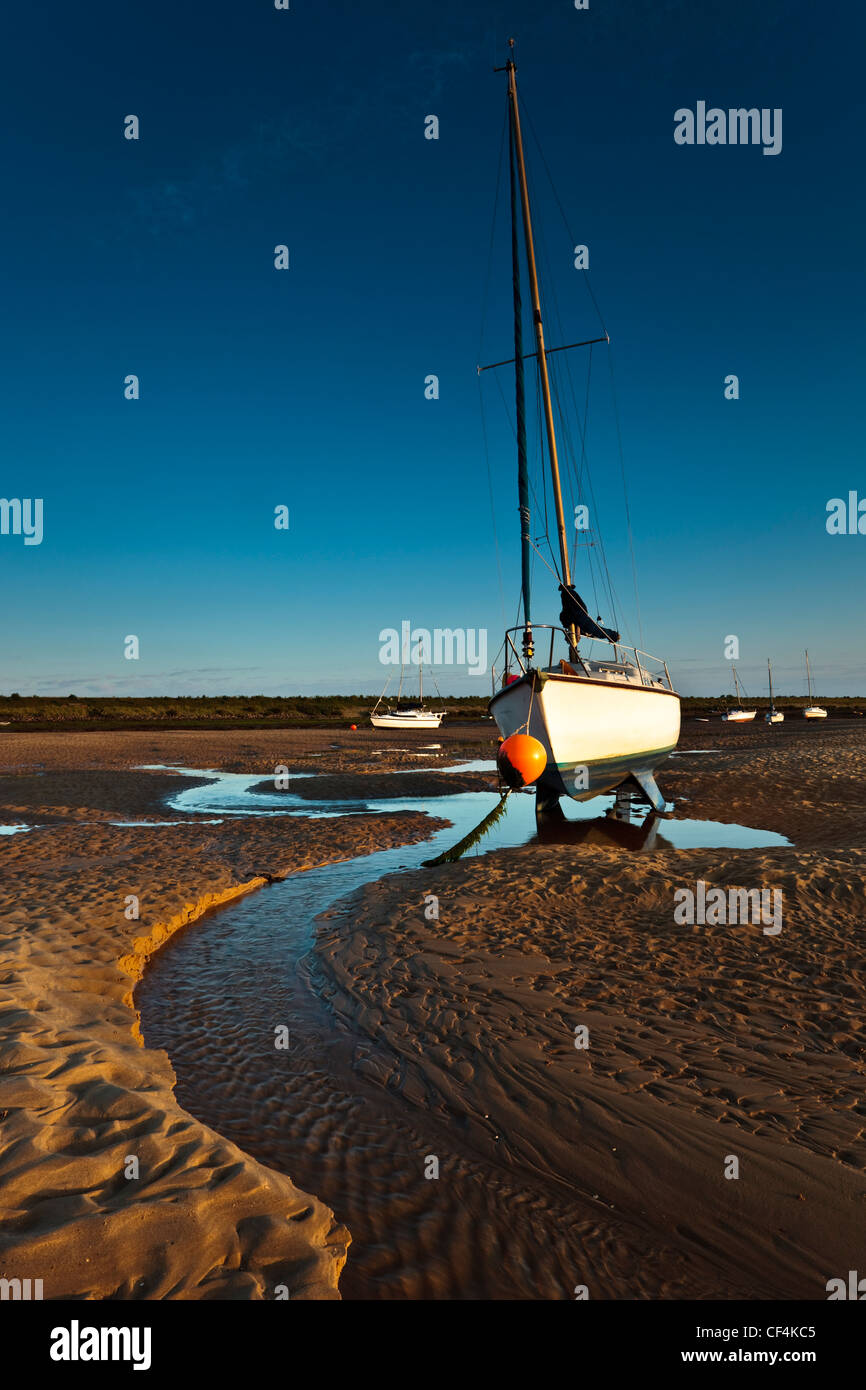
[(626, 825)]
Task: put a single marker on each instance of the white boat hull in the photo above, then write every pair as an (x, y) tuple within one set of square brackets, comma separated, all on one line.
[(814, 712), (596, 734), (739, 716), (428, 720), (776, 718)]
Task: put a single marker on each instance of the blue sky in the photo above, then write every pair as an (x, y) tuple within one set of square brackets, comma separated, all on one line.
[(306, 387)]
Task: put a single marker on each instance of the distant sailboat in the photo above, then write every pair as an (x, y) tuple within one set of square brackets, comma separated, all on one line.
[(416, 718), (601, 723), (812, 711), (738, 715), (773, 715)]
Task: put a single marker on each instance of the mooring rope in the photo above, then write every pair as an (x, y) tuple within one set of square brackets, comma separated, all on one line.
[(469, 841)]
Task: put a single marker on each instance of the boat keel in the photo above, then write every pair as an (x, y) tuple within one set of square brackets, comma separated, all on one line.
[(650, 788), (548, 803)]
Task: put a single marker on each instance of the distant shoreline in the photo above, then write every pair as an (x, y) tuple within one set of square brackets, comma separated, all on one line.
[(112, 714)]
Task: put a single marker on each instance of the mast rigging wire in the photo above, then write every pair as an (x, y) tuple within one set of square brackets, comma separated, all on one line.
[(597, 308), (551, 314), (484, 300)]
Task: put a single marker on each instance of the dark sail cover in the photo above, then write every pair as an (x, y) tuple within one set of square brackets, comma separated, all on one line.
[(574, 614)]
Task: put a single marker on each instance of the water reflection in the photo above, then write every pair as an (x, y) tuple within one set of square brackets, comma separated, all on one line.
[(610, 820)]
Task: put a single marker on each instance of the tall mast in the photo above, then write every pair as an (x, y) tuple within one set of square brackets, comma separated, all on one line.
[(809, 677), (520, 404), (737, 686), (536, 316), (770, 679)]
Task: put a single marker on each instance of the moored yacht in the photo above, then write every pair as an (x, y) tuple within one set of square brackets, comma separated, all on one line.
[(416, 717), (773, 715), (601, 722), (738, 715), (812, 711), (407, 719)]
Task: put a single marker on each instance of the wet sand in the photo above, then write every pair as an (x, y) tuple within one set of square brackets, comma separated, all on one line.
[(602, 1166), (241, 750), (703, 1042), (79, 1095)]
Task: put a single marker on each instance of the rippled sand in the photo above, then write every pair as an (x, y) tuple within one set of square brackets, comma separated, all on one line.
[(452, 1038), (80, 1096), (704, 1042), (347, 1118)]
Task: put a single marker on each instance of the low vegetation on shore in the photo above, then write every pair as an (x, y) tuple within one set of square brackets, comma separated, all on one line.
[(73, 712)]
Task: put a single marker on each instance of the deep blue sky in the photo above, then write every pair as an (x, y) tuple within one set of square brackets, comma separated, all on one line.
[(306, 387)]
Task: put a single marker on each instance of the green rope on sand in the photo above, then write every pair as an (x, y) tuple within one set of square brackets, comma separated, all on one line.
[(449, 855)]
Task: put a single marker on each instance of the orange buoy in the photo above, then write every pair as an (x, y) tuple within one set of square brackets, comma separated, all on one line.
[(353, 727), (521, 760)]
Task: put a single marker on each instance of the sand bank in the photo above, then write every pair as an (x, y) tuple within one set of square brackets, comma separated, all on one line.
[(242, 750), (705, 1042), (79, 1096)]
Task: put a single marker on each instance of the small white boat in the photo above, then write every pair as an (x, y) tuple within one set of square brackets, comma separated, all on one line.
[(738, 715), (416, 718), (773, 715), (812, 711), (407, 719)]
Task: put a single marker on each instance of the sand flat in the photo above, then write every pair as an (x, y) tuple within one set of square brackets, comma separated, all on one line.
[(80, 1096), (705, 1041)]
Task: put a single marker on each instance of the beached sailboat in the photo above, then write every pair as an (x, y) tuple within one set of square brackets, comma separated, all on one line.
[(602, 722), (812, 711), (738, 715), (773, 715), (418, 717)]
